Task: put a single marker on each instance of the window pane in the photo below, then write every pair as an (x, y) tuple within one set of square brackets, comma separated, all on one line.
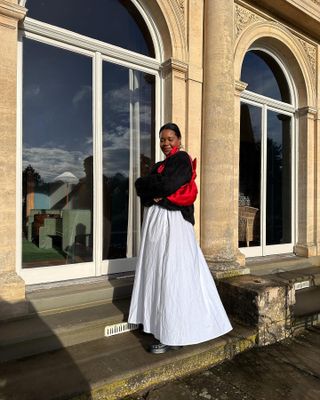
[(128, 126), (250, 176), (278, 222), (263, 75), (112, 21), (57, 156)]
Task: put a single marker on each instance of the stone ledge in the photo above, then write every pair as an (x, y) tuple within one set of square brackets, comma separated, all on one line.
[(226, 269), (260, 302)]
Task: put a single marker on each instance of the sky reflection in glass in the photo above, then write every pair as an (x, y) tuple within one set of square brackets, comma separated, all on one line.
[(57, 110), (111, 21), (263, 75)]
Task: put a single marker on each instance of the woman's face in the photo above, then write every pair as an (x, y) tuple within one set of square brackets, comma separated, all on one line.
[(168, 140)]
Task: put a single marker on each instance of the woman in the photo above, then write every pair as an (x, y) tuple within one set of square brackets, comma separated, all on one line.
[(174, 295)]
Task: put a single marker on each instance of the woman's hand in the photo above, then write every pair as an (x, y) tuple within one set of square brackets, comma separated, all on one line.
[(157, 199)]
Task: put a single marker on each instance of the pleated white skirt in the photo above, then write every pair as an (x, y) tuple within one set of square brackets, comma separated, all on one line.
[(174, 295)]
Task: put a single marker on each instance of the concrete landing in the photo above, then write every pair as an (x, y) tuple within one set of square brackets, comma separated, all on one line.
[(113, 367)]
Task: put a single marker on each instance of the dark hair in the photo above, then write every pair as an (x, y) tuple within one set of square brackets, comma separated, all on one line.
[(173, 127)]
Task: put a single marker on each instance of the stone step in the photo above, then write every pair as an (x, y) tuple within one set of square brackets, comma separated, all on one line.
[(113, 367), (277, 264), (39, 333), (306, 282), (64, 296), (309, 275), (307, 302)]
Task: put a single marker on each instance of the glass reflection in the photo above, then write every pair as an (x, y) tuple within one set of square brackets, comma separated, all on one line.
[(278, 222), (250, 176), (263, 75), (112, 21), (128, 126), (57, 156)]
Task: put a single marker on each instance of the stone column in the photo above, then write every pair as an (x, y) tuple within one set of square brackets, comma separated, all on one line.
[(12, 288), (219, 225)]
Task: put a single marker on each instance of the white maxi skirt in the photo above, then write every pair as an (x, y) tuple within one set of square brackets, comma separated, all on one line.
[(174, 295)]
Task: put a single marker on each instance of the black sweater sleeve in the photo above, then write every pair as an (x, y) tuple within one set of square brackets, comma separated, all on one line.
[(176, 173)]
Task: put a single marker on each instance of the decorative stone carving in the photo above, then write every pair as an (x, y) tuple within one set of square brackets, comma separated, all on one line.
[(178, 8), (316, 2), (311, 53), (244, 18), (181, 5)]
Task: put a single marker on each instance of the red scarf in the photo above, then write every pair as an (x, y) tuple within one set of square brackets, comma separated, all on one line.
[(187, 193)]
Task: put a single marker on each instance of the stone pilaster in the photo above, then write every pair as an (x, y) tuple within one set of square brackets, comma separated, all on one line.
[(174, 73), (306, 241), (12, 288), (219, 225), (194, 93)]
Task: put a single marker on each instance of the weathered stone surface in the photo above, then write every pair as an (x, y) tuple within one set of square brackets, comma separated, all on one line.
[(221, 270), (286, 370), (260, 302), (176, 390), (12, 295), (113, 367)]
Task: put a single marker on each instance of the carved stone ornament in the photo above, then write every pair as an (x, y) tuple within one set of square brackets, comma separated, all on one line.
[(311, 53), (178, 8), (181, 5), (316, 2), (244, 18)]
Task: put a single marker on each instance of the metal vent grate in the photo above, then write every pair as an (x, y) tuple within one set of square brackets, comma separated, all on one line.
[(301, 285), (116, 329)]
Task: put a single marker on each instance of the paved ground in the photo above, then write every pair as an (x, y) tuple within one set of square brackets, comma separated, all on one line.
[(286, 370)]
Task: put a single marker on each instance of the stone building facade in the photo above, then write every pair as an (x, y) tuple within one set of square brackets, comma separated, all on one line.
[(192, 71)]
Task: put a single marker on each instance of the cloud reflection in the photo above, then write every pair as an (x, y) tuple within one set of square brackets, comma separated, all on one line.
[(51, 162)]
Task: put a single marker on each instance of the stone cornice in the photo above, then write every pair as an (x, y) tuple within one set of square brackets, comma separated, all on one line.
[(11, 10)]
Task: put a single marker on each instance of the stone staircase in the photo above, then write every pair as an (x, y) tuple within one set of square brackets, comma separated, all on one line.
[(58, 350), (65, 316)]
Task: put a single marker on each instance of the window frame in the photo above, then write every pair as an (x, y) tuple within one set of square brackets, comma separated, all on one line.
[(99, 52), (268, 104)]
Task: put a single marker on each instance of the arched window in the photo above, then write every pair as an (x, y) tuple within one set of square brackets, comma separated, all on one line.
[(267, 143), (264, 76), (111, 21), (88, 131)]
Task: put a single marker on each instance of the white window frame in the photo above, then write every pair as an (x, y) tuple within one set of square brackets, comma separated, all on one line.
[(268, 104), (99, 52)]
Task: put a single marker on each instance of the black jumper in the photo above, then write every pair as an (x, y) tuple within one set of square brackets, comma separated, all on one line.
[(176, 173)]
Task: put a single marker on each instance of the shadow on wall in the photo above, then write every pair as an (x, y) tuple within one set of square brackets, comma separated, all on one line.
[(33, 363)]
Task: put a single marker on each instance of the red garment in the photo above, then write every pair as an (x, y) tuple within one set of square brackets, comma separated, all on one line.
[(187, 193)]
